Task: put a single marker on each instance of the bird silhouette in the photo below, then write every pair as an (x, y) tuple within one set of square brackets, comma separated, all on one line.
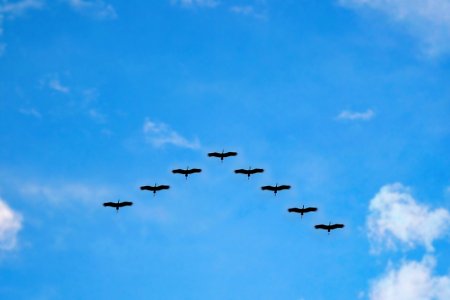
[(302, 210), (186, 172), (154, 188), (248, 172), (118, 204), (329, 227), (275, 188), (222, 155)]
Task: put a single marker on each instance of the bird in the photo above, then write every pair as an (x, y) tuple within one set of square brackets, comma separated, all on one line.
[(329, 227), (275, 188), (222, 155), (302, 210), (154, 188), (118, 204), (186, 172), (248, 172)]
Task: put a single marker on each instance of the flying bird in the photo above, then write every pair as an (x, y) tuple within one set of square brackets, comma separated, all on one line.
[(186, 172), (302, 210), (275, 188), (248, 172), (329, 227), (118, 204), (154, 188), (222, 155)]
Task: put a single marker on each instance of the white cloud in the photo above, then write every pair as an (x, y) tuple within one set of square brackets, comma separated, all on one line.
[(96, 115), (198, 3), (19, 7), (247, 10), (56, 85), (13, 9), (159, 134), (411, 281), (97, 8), (30, 112), (396, 218), (354, 116), (427, 19), (60, 193), (242, 9), (10, 225)]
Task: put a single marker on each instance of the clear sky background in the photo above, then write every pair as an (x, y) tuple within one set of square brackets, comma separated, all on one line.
[(347, 101)]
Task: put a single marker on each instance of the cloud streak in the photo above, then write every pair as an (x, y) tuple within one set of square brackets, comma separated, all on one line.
[(19, 7), (427, 19), (97, 9), (56, 85), (196, 3), (160, 134), (65, 192), (10, 225), (356, 116)]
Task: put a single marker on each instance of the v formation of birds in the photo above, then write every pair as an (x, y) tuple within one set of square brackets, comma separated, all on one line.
[(186, 172)]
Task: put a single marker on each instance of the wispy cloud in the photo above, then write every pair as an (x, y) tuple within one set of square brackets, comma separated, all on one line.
[(57, 193), (413, 281), (247, 10), (196, 3), (11, 10), (56, 85), (160, 134), (30, 112), (427, 19), (10, 225), (97, 9), (19, 7), (355, 116), (96, 115), (396, 218)]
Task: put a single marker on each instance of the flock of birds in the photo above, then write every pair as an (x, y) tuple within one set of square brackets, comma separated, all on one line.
[(186, 172)]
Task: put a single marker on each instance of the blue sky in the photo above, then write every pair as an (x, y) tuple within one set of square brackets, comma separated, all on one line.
[(347, 101)]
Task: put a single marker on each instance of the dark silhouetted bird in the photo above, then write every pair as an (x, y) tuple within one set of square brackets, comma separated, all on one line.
[(222, 155), (329, 226), (302, 210), (275, 188), (154, 188), (248, 172), (118, 204), (186, 172)]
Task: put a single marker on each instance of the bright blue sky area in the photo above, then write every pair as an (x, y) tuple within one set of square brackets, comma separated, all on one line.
[(77, 87)]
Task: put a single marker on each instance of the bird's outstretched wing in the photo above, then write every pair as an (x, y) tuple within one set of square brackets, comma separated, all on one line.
[(253, 171), (321, 226), (111, 204), (284, 187), (241, 171), (179, 171), (191, 171), (334, 226), (268, 188), (308, 209), (162, 187), (125, 203), (147, 188), (295, 209), (214, 154), (226, 154)]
